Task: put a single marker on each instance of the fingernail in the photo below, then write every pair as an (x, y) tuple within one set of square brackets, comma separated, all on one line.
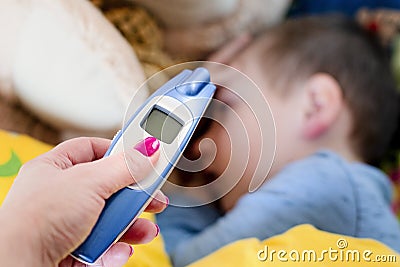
[(131, 252), (166, 201), (158, 230), (148, 146)]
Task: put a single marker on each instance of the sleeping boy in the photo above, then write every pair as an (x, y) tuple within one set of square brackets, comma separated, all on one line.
[(336, 110)]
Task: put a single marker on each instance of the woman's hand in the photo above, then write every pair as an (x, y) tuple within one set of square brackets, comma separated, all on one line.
[(57, 197)]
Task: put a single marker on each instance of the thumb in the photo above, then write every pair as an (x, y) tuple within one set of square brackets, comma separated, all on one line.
[(112, 173)]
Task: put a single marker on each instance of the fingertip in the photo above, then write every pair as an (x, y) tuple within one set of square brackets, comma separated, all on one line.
[(141, 232), (158, 204), (154, 158), (158, 230), (117, 255), (148, 146)]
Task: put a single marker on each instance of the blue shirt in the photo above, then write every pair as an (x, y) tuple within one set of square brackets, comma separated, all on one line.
[(323, 190)]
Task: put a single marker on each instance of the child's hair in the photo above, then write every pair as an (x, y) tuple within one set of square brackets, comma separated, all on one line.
[(338, 46)]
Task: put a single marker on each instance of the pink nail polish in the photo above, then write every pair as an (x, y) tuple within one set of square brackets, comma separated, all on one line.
[(158, 230), (131, 252), (167, 201), (148, 146)]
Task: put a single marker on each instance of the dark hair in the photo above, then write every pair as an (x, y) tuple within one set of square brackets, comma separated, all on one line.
[(338, 46)]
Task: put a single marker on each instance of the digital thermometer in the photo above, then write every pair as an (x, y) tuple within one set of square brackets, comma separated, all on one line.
[(171, 115)]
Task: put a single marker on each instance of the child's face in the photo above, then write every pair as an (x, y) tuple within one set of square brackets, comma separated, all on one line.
[(286, 121)]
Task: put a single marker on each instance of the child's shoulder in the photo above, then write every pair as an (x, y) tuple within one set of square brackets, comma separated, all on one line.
[(326, 172), (319, 161), (322, 165), (328, 164)]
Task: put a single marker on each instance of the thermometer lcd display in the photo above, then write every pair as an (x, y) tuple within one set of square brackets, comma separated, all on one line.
[(162, 126)]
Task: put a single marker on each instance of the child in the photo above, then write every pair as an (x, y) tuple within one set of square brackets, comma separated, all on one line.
[(336, 109)]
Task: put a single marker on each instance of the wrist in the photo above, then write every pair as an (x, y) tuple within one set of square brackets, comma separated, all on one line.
[(20, 244)]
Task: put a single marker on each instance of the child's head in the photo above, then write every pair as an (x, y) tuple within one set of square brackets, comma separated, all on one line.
[(297, 51), (329, 86)]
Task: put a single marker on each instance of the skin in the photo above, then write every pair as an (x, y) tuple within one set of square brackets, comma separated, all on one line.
[(57, 198), (312, 116)]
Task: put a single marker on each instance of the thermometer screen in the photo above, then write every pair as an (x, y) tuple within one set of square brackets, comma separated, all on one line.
[(162, 126)]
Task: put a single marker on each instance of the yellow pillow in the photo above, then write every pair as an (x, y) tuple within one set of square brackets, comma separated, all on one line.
[(15, 150), (302, 241), (303, 246)]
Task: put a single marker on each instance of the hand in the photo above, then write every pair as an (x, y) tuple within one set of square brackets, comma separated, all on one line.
[(56, 200)]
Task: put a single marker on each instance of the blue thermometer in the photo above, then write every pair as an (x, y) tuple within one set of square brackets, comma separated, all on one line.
[(171, 114)]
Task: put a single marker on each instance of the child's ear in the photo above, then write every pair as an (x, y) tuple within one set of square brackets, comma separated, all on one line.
[(324, 101)]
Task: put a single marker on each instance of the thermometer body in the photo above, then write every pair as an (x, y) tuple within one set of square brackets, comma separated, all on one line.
[(171, 115)]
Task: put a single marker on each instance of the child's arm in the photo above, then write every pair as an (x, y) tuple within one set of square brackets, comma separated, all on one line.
[(301, 194)]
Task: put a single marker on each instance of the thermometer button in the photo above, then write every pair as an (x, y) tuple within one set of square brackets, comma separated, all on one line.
[(195, 82)]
